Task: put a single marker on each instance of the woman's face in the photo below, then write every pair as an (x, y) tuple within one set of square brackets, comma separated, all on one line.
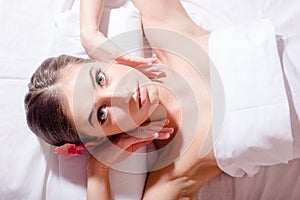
[(104, 100)]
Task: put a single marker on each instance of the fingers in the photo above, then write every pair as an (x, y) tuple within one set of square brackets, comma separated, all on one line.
[(132, 144), (137, 143), (147, 66), (155, 125), (165, 133), (136, 146), (151, 131), (135, 61), (152, 71), (150, 61), (124, 141), (148, 130), (118, 147), (159, 123)]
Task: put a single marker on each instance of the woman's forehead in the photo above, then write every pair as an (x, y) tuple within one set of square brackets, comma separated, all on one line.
[(96, 64)]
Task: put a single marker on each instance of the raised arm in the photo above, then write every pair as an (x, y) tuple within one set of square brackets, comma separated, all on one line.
[(90, 16), (96, 44)]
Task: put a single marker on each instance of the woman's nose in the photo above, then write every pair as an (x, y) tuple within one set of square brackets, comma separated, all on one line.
[(117, 95)]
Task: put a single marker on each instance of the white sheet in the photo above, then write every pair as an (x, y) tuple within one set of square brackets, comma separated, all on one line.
[(29, 169), (24, 39)]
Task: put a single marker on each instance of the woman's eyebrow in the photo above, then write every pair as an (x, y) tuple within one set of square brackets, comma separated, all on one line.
[(90, 118), (92, 111), (92, 77)]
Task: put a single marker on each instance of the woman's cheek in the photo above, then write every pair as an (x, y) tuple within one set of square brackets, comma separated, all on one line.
[(123, 119)]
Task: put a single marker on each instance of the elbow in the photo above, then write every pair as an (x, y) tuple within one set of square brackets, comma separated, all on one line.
[(85, 39), (90, 37)]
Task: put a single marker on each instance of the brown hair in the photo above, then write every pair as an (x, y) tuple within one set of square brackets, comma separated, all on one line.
[(44, 103)]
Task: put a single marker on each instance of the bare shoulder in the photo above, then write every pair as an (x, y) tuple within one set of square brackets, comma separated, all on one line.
[(156, 8), (162, 13), (169, 16)]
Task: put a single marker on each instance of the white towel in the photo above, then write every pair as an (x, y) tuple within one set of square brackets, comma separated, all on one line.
[(256, 130)]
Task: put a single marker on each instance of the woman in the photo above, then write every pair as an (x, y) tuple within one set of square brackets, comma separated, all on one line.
[(123, 99), (97, 100)]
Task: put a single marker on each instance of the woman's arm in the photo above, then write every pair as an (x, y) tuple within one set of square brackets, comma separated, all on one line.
[(106, 154), (98, 181), (183, 178), (96, 44), (90, 16)]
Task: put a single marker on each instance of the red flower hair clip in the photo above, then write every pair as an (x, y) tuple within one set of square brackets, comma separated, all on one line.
[(70, 149)]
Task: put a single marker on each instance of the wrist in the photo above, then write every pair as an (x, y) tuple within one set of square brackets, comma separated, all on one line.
[(100, 170)]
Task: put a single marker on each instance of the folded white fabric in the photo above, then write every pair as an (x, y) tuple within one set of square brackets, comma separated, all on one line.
[(256, 130)]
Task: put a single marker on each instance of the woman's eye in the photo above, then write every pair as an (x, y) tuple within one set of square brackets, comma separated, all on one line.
[(102, 114), (100, 78)]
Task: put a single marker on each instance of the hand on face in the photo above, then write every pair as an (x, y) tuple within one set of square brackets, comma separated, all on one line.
[(152, 71), (119, 147), (135, 61), (148, 66), (151, 129)]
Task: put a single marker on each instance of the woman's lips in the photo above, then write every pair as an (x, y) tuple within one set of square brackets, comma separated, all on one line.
[(142, 96)]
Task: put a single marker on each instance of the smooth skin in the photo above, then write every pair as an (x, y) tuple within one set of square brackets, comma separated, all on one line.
[(185, 176), (93, 94), (92, 38)]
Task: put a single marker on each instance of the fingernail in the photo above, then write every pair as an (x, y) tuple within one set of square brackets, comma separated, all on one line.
[(155, 135), (165, 135)]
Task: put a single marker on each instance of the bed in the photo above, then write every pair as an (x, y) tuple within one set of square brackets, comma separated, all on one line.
[(35, 30)]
